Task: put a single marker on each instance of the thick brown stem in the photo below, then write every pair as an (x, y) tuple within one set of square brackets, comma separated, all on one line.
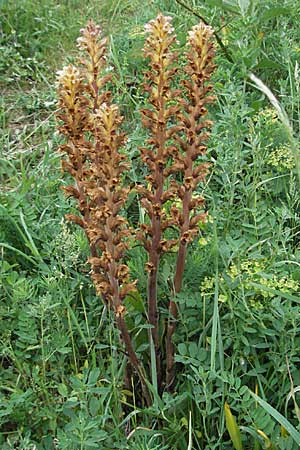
[(173, 313), (117, 304), (124, 331), (133, 358), (180, 264), (154, 261)]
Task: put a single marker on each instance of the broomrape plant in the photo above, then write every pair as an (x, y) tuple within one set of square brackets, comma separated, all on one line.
[(177, 133)]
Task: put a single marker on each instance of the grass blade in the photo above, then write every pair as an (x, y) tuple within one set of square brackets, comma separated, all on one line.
[(19, 252), (282, 116), (278, 417), (232, 428), (215, 325), (30, 242), (190, 445)]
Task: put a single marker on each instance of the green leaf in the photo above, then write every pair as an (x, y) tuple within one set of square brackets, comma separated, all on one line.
[(218, 3), (134, 301), (16, 250), (262, 287), (267, 63), (244, 6), (277, 416), (182, 349), (63, 390), (230, 5), (93, 376), (275, 12), (227, 5), (215, 324), (153, 365), (193, 349), (94, 406), (232, 428)]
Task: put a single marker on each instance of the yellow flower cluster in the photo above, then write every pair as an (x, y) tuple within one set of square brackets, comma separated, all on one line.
[(267, 115), (254, 277), (282, 158)]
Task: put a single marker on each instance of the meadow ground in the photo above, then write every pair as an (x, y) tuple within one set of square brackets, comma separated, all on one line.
[(237, 339)]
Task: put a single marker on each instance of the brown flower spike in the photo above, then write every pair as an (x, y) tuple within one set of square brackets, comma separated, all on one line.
[(91, 125), (178, 130), (158, 119), (192, 142)]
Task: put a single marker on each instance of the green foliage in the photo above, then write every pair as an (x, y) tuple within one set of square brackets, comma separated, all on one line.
[(60, 365)]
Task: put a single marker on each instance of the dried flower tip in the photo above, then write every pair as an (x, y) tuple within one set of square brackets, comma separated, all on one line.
[(200, 34), (161, 25), (89, 33), (108, 116), (68, 78)]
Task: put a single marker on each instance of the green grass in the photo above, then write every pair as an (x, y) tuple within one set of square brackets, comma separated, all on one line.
[(61, 368)]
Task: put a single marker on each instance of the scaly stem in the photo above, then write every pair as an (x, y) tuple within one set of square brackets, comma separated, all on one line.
[(133, 358), (154, 253), (173, 314)]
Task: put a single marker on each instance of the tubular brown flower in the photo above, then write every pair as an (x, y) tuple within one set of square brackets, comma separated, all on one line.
[(158, 119), (192, 142), (178, 129), (91, 125)]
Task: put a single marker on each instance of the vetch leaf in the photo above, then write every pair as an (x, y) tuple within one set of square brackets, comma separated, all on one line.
[(94, 406), (62, 389), (182, 349)]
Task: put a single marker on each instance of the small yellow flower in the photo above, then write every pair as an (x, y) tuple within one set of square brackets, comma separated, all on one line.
[(202, 242)]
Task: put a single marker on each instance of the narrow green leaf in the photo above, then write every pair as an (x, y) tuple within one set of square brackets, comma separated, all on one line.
[(279, 417), (275, 12), (244, 6), (190, 444), (262, 287), (19, 252), (215, 325), (214, 3), (267, 63), (153, 365), (31, 245), (232, 428)]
